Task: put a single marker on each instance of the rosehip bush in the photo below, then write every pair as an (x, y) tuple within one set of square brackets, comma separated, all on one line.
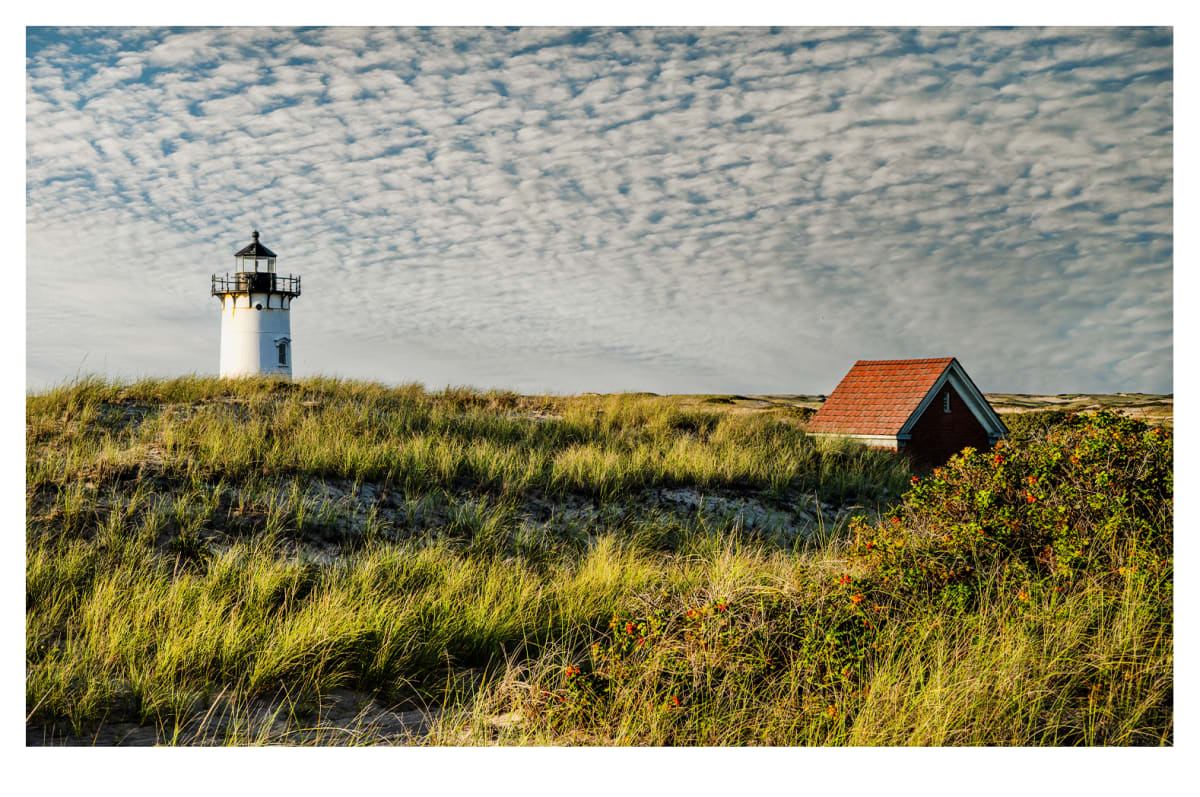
[(1094, 498), (1024, 427), (1088, 507)]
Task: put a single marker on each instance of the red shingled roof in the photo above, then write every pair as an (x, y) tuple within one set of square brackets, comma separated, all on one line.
[(878, 396)]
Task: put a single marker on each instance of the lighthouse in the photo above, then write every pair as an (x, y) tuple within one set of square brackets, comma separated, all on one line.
[(256, 327)]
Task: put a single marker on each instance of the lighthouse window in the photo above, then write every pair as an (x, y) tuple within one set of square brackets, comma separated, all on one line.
[(259, 307), (283, 354)]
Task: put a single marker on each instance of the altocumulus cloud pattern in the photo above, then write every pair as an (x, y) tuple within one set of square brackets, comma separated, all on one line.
[(658, 209)]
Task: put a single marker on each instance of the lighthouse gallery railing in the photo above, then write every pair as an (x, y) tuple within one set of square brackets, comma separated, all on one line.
[(256, 281)]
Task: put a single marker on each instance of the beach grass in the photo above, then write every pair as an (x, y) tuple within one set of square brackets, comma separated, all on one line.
[(185, 574)]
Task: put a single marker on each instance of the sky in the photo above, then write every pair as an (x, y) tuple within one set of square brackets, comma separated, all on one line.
[(676, 210)]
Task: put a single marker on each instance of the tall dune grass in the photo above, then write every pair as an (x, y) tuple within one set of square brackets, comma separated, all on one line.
[(603, 446), (649, 628)]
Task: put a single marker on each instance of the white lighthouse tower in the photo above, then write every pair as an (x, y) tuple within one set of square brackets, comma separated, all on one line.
[(256, 327)]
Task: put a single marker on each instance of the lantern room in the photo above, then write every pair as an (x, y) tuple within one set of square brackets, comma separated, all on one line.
[(255, 257)]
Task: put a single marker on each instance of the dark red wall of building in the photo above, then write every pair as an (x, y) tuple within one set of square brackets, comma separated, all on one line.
[(938, 435)]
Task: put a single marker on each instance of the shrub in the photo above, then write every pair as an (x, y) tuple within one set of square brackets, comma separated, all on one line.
[(1024, 427), (1082, 518), (1093, 498), (803, 413)]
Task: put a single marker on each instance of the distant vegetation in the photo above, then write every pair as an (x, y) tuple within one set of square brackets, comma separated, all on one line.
[(1024, 427), (1154, 409), (199, 549)]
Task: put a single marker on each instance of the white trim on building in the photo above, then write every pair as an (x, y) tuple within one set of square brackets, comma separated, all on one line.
[(957, 377)]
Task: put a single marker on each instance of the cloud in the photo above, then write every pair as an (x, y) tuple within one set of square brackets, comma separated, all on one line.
[(664, 209)]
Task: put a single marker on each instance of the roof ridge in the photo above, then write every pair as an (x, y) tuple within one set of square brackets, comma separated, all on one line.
[(914, 360)]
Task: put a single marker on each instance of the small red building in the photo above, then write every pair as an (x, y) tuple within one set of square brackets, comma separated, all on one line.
[(929, 409)]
